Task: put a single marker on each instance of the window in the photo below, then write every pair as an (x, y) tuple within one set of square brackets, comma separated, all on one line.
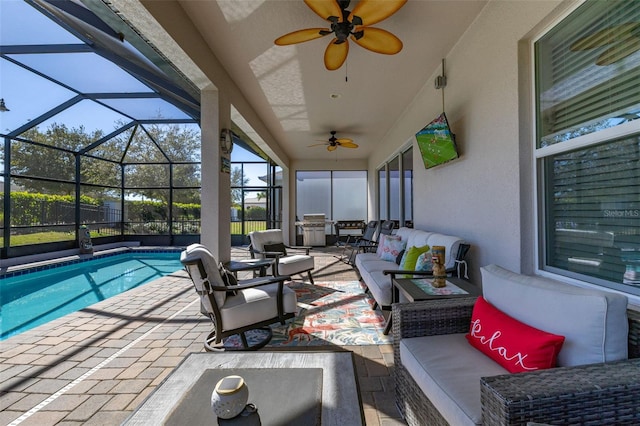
[(383, 205), (395, 189), (588, 145), (349, 195), (340, 195), (407, 165)]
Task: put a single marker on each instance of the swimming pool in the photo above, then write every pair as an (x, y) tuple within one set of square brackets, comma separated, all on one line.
[(31, 299)]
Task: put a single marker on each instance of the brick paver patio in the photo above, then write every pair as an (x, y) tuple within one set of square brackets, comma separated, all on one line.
[(97, 365)]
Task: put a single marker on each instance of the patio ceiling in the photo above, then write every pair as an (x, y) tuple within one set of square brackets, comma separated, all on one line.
[(290, 89), (295, 97)]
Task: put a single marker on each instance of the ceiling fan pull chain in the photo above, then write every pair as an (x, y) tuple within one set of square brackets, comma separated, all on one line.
[(346, 71)]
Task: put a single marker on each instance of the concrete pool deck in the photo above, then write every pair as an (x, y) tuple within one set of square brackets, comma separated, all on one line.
[(97, 365)]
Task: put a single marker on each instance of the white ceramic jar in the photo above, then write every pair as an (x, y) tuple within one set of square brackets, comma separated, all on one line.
[(229, 397)]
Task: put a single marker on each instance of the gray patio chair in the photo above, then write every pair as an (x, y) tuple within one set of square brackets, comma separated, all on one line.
[(351, 247), (237, 307), (289, 260)]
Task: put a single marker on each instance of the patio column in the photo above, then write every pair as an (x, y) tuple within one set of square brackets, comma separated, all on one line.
[(216, 182)]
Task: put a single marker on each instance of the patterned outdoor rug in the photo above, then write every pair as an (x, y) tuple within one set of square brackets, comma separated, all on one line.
[(329, 313)]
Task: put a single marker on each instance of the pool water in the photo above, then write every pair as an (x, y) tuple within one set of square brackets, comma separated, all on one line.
[(32, 299)]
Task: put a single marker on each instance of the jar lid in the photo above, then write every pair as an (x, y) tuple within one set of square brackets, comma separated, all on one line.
[(229, 385)]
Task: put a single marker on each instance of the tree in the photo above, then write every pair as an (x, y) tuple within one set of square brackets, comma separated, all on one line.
[(43, 160), (144, 152), (238, 180), (148, 156)]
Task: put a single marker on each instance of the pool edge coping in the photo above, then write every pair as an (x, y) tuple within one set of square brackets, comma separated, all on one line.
[(37, 266)]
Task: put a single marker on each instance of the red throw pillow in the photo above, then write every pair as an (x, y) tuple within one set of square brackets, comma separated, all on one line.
[(514, 345)]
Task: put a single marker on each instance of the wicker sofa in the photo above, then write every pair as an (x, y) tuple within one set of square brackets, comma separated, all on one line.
[(594, 393)]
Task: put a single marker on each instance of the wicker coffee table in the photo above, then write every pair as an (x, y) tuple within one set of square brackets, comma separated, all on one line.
[(292, 388), (416, 289)]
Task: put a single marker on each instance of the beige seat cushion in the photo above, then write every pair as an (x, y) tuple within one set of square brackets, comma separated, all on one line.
[(254, 305), (448, 370), (294, 264)]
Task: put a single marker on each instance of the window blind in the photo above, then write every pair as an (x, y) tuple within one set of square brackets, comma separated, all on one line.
[(577, 95)]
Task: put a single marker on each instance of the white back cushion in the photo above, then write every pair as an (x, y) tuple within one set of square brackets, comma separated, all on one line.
[(404, 233), (260, 238), (418, 238), (198, 251), (593, 322)]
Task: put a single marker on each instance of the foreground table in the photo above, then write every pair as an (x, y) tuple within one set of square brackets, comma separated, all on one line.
[(287, 388), (414, 289), (417, 288)]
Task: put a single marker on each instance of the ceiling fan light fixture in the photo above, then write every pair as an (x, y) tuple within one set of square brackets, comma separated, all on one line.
[(333, 143), (345, 24)]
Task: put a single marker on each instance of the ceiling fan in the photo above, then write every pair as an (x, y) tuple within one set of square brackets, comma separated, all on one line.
[(623, 40), (333, 143), (345, 23)]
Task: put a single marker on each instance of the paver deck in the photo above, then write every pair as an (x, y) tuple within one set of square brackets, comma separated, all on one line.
[(97, 365)]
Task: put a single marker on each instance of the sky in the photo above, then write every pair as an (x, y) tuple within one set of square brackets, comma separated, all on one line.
[(28, 95)]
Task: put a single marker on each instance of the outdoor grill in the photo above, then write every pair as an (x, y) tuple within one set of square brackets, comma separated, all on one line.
[(313, 229)]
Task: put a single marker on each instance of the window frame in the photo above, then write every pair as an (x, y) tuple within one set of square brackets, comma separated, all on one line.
[(539, 154)]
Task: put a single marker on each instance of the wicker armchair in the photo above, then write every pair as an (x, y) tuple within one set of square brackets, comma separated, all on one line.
[(594, 394)]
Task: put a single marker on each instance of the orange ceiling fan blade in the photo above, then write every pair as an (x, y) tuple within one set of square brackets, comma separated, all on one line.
[(619, 51), (348, 145), (604, 37), (301, 36), (317, 144), (379, 41), (335, 54), (332, 147), (344, 140), (325, 8), (373, 11)]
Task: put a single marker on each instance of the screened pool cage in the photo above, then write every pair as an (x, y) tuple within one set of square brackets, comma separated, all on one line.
[(99, 130)]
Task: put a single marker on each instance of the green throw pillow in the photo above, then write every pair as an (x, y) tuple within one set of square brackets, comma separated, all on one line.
[(411, 256)]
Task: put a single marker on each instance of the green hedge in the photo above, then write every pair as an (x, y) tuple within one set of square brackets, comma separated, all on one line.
[(33, 209)]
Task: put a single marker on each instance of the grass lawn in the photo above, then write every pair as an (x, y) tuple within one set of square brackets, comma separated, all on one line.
[(51, 236), (249, 226), (47, 237)]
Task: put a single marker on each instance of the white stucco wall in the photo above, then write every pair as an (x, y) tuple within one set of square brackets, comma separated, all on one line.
[(478, 197)]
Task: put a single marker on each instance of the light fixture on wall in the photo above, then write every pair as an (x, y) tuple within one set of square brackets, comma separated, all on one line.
[(440, 83), (441, 80), (226, 141), (3, 107)]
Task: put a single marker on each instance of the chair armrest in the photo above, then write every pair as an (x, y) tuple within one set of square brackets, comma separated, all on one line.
[(431, 317), (275, 254), (596, 393), (255, 282), (305, 248), (394, 272)]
